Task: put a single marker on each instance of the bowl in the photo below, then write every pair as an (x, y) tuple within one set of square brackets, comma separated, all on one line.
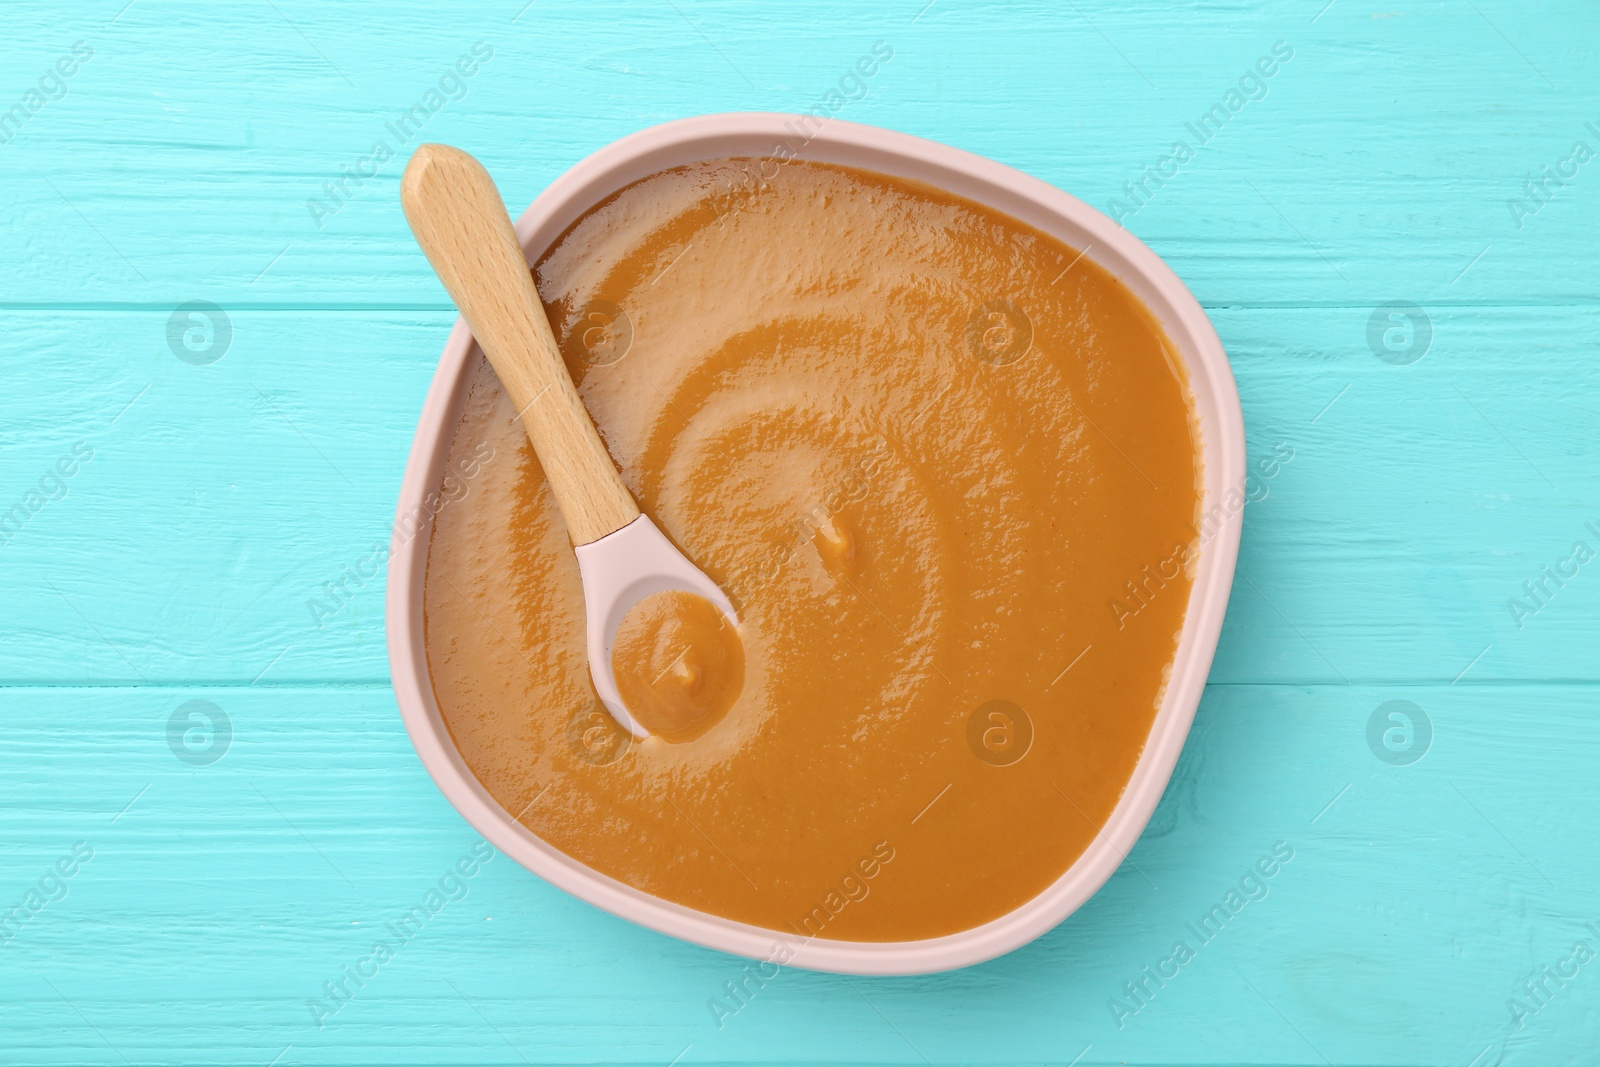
[(1222, 453)]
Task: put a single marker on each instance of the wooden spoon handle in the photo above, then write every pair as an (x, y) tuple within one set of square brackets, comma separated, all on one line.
[(461, 223)]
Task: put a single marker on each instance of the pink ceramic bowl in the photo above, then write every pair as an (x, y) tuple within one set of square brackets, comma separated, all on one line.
[(982, 180)]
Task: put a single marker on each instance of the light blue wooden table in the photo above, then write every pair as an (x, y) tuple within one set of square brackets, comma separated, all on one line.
[(186, 483)]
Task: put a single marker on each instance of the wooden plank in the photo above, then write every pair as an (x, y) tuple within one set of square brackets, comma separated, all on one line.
[(1366, 171), (1419, 500), (1417, 901)]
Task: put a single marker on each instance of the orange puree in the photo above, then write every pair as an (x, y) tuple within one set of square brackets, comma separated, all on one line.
[(945, 468), (678, 663)]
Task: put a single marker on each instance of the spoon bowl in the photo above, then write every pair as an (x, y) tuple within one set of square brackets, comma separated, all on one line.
[(618, 571)]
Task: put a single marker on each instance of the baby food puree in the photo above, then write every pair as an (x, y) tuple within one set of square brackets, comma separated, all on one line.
[(944, 466)]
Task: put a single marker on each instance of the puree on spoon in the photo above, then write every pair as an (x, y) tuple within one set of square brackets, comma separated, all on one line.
[(944, 466), (679, 664)]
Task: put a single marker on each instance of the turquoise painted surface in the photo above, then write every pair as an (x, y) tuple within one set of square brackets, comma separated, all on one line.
[(1386, 160)]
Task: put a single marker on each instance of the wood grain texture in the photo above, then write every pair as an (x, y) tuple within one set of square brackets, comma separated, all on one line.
[(237, 512), (1375, 168), (456, 213), (231, 462)]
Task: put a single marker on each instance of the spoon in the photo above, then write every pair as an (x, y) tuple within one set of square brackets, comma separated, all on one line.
[(458, 218)]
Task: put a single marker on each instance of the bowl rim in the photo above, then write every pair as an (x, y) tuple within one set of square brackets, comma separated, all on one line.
[(780, 136)]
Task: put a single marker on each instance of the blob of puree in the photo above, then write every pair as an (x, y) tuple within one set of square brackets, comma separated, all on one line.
[(946, 468)]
